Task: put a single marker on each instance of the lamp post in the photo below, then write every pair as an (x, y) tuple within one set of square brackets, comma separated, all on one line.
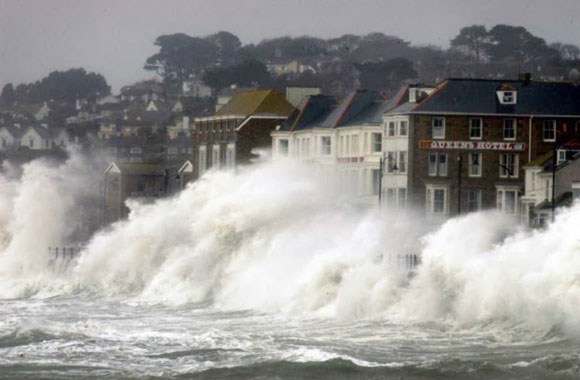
[(554, 164)]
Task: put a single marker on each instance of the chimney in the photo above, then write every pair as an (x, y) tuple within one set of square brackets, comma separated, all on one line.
[(525, 77)]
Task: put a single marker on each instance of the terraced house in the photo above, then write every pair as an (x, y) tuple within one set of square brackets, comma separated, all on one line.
[(461, 145), (343, 137)]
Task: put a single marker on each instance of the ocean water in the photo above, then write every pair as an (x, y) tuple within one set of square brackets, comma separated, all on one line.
[(271, 273)]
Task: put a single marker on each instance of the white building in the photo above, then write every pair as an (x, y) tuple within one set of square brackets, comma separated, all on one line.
[(344, 139)]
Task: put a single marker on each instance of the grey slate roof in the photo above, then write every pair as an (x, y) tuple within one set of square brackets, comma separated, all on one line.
[(478, 96), (321, 111)]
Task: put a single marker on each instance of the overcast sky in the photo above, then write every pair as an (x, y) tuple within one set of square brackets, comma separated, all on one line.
[(114, 37)]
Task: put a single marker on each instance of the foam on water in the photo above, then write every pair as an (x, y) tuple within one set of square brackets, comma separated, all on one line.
[(276, 237)]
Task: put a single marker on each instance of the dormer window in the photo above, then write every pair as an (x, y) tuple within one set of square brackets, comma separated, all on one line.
[(509, 97), (412, 95), (507, 94)]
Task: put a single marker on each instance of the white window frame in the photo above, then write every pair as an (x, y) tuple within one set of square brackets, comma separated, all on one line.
[(391, 129), (501, 200), (551, 124), (403, 128), (434, 121), (202, 160), (430, 199), (283, 149), (509, 160), (390, 162), (438, 172), (472, 128), (472, 168), (470, 200), (377, 141), (515, 129), (402, 162), (325, 145)]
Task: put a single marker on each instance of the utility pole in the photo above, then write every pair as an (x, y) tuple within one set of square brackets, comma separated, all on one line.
[(459, 168)]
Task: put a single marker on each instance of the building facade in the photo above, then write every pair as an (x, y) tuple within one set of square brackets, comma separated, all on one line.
[(461, 146)]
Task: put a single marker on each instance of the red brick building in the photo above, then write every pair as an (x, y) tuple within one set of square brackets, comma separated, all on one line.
[(461, 145), (242, 125)]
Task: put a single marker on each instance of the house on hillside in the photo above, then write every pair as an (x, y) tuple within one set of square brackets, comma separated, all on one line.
[(36, 138), (9, 138), (464, 142), (242, 125), (343, 138)]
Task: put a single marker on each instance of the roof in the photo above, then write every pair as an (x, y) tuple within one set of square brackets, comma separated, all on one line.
[(14, 131), (478, 96), (42, 132), (181, 142), (321, 111), (564, 199), (125, 141), (541, 160), (255, 102), (311, 111)]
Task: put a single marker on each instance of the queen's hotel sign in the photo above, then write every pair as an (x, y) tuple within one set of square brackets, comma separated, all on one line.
[(472, 145)]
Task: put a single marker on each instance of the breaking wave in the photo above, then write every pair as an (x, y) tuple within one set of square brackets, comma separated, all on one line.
[(276, 237)]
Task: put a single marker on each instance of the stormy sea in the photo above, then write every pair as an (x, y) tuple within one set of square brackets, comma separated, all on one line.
[(271, 272)]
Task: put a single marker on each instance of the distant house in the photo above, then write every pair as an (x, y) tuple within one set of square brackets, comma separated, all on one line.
[(36, 138), (196, 89), (288, 67), (61, 137), (9, 138), (142, 91), (130, 180), (295, 94), (242, 125)]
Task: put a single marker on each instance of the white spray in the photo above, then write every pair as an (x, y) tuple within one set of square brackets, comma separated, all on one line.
[(275, 237)]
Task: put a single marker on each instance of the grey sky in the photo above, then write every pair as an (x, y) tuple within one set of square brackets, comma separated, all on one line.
[(114, 37)]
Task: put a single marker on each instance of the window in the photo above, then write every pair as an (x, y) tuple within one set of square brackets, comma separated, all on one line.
[(475, 160), (402, 162), (509, 129), (390, 158), (136, 150), (391, 131), (3, 142), (549, 130), (509, 97), (437, 200), (215, 158), (507, 200), (475, 129), (403, 128), (438, 164), (325, 143), (508, 165), (348, 152), (354, 146), (341, 148), (201, 160), (230, 156), (561, 156), (283, 147), (474, 200), (391, 197), (31, 143), (377, 142), (376, 181), (438, 124), (402, 198)]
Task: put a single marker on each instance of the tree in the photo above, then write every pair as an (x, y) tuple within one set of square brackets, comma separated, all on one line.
[(386, 75), (248, 73), (179, 57), (473, 41), (227, 45), (8, 95), (568, 52)]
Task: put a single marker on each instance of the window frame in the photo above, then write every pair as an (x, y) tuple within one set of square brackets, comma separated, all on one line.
[(471, 128), (324, 146), (553, 130), (377, 139), (437, 172), (514, 129), (442, 127), (471, 165), (430, 200)]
